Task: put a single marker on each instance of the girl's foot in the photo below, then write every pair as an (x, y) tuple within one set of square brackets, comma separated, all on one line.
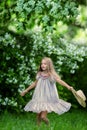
[(46, 120)]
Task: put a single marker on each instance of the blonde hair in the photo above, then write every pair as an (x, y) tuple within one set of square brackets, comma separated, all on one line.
[(50, 67)]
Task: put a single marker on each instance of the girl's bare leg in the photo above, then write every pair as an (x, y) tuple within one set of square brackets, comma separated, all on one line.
[(44, 117), (39, 118)]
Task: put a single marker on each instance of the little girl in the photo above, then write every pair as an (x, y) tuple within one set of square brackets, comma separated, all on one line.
[(45, 98)]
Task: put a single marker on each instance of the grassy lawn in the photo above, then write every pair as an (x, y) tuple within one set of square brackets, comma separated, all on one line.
[(72, 120)]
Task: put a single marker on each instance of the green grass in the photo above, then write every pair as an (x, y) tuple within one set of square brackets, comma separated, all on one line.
[(72, 120)]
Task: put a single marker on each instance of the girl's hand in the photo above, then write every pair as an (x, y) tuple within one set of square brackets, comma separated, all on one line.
[(23, 93)]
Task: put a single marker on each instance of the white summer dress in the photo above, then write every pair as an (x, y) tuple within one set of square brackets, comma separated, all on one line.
[(45, 97)]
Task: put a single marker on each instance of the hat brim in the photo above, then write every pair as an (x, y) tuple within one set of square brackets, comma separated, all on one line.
[(79, 98)]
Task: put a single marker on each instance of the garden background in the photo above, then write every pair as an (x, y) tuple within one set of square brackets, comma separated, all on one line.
[(30, 30)]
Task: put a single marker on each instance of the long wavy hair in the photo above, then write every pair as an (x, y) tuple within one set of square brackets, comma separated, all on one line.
[(50, 68)]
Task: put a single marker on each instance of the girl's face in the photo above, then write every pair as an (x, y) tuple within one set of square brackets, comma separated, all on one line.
[(43, 65)]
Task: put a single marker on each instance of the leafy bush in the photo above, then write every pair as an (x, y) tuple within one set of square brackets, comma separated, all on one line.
[(20, 57), (45, 13), (14, 72)]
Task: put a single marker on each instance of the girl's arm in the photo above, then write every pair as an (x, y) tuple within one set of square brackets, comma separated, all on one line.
[(29, 88), (62, 83)]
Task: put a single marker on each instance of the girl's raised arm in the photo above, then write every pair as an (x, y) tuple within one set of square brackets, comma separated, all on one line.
[(29, 88), (62, 82)]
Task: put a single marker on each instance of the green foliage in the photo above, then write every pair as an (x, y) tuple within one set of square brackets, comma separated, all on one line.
[(30, 30), (81, 75), (20, 63), (23, 15), (45, 13), (14, 72), (63, 53)]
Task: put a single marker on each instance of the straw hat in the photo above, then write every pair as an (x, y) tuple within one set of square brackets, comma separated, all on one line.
[(79, 95)]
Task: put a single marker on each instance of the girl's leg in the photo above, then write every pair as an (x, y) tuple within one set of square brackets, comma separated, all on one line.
[(39, 118), (44, 117)]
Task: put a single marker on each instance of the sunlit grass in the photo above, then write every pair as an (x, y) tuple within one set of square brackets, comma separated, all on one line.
[(72, 120)]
